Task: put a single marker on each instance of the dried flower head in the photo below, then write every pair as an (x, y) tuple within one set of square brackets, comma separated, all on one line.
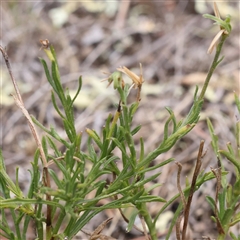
[(225, 27), (137, 80), (45, 43)]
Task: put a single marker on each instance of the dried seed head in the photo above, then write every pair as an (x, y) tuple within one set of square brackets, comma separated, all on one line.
[(45, 43), (220, 33), (216, 11), (214, 41), (137, 80)]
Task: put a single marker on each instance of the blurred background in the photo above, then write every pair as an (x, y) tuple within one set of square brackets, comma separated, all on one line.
[(169, 38)]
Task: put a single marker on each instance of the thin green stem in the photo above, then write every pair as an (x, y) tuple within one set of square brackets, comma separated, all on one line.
[(222, 236), (213, 66), (16, 224), (59, 222), (151, 226)]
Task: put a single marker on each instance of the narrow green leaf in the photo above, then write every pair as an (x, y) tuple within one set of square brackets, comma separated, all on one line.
[(95, 137), (229, 194), (81, 222), (126, 118), (67, 128), (219, 61), (100, 188), (44, 145), (56, 106), (39, 224), (153, 187), (47, 73), (143, 182), (194, 113), (214, 137), (144, 170), (62, 168), (40, 125), (121, 146), (174, 220), (54, 134), (141, 150), (31, 187), (78, 91), (54, 54), (211, 201), (54, 147), (108, 161), (233, 236), (36, 173), (165, 135), (173, 118), (55, 179), (232, 159), (131, 146), (230, 148), (132, 218), (59, 87), (135, 130), (236, 188), (133, 110), (221, 199), (25, 226), (228, 214), (149, 198), (92, 153), (10, 184), (219, 21)]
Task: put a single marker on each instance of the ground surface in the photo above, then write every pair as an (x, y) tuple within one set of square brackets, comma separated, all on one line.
[(170, 39)]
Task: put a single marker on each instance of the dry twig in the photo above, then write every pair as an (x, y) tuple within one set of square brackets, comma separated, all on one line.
[(19, 102), (192, 189)]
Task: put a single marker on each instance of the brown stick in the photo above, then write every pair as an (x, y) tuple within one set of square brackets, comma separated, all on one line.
[(19, 102), (192, 189), (5, 56)]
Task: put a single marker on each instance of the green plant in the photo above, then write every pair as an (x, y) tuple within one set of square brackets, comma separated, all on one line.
[(71, 201), (226, 204)]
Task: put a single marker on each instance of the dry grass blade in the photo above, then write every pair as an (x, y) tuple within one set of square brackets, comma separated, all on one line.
[(216, 11), (5, 56), (33, 129), (215, 41), (20, 104), (217, 173), (97, 232), (179, 185), (178, 227)]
